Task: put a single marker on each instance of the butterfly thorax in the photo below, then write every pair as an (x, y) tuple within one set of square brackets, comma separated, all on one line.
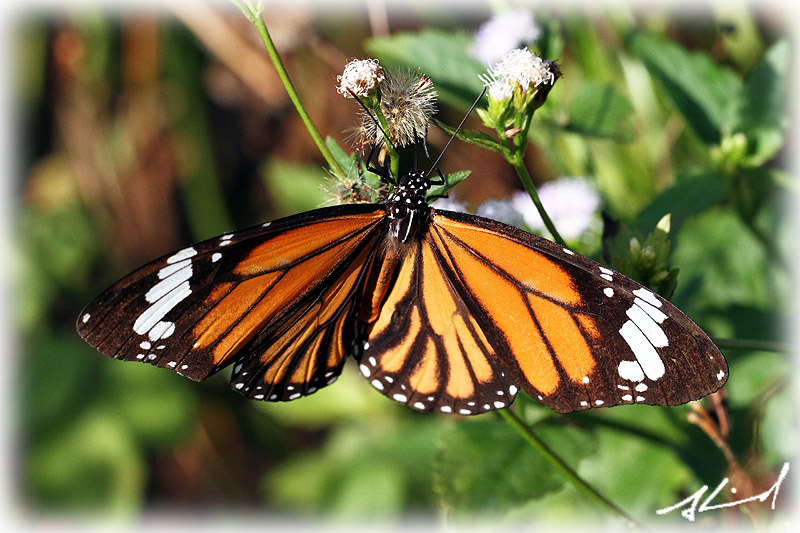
[(407, 206)]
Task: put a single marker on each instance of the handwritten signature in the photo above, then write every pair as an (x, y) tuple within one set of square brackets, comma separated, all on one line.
[(693, 505)]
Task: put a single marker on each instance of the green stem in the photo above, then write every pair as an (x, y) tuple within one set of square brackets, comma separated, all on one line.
[(537, 444), (394, 157), (754, 345), (257, 19), (519, 165)]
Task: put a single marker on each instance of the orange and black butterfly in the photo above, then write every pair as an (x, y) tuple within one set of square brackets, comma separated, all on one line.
[(442, 311)]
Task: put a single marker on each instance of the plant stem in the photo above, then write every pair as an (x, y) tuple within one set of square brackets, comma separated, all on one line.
[(394, 157), (559, 464), (298, 104), (519, 165)]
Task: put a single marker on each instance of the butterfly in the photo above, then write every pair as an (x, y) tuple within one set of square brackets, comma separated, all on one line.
[(443, 311)]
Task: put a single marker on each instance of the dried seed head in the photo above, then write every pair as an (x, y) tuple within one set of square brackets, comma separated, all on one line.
[(360, 77), (408, 101)]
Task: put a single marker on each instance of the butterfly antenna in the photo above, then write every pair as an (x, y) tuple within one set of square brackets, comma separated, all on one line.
[(463, 120)]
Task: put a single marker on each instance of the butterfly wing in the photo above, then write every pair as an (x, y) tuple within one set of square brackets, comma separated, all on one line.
[(422, 346), (573, 334), (277, 299)]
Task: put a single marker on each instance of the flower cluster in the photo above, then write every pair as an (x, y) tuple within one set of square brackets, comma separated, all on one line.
[(516, 86), (361, 77)]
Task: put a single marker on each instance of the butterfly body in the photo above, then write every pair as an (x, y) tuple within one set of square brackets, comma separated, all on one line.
[(443, 311)]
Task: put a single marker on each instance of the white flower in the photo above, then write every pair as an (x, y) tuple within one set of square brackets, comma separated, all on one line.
[(521, 67), (504, 32), (360, 76), (500, 210), (450, 204), (571, 203), (499, 89)]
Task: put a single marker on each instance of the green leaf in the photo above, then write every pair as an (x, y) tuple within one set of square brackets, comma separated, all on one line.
[(294, 188), (63, 366), (157, 408), (708, 95), (361, 471), (482, 466), (478, 138), (764, 115), (600, 111), (439, 54), (722, 264), (450, 181), (692, 193), (93, 465)]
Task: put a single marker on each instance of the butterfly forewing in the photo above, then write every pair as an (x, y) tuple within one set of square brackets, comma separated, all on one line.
[(573, 333), (204, 307)]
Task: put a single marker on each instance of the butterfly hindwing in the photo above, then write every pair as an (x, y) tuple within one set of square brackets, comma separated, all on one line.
[(216, 302), (573, 333), (425, 349)]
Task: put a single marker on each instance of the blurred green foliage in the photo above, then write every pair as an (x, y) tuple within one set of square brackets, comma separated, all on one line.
[(136, 140)]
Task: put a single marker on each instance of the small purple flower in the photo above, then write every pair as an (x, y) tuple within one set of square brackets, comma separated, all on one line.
[(501, 211), (571, 203)]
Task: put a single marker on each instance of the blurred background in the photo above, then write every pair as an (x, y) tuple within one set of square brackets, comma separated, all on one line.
[(139, 132)]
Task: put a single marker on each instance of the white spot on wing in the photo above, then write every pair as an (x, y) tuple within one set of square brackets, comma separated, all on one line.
[(608, 291), (606, 277), (465, 411), (161, 330), (641, 387), (512, 390), (630, 370), (419, 405), (627, 397), (169, 282), (605, 270), (446, 409), (647, 296), (649, 327), (216, 257), (645, 354), (499, 405), (720, 375), (86, 318), (654, 313), (400, 398), (568, 251), (144, 345), (186, 253), (295, 396), (377, 384), (364, 370), (153, 314)]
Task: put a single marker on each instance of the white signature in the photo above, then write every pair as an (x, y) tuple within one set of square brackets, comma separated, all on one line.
[(693, 505)]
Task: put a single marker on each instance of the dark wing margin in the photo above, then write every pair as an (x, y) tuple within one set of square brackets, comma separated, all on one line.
[(235, 298), (573, 333)]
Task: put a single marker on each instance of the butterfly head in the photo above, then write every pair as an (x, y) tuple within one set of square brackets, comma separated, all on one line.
[(408, 207)]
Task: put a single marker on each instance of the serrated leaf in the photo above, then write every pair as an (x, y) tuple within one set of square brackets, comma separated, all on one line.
[(450, 181), (441, 55), (600, 111), (708, 95), (483, 466), (764, 116)]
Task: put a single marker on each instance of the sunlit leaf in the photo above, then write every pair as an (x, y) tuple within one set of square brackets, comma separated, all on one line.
[(707, 95)]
